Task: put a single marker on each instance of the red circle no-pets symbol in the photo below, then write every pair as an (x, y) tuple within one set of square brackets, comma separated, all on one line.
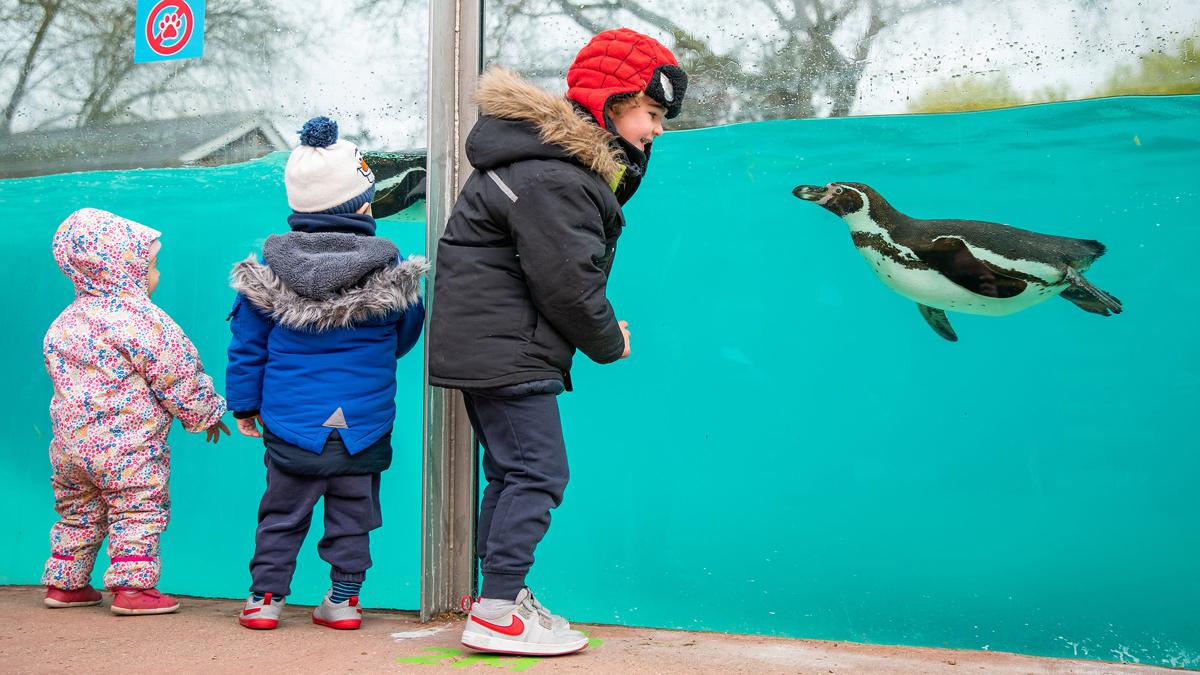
[(163, 29)]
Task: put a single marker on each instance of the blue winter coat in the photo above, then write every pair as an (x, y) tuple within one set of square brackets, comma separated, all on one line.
[(317, 329)]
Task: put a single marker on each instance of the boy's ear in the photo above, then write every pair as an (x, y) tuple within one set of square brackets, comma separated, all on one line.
[(364, 209)]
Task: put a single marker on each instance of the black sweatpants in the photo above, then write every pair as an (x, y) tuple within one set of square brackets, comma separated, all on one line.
[(351, 512), (525, 464)]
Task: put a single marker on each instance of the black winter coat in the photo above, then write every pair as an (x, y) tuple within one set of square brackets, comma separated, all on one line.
[(522, 268)]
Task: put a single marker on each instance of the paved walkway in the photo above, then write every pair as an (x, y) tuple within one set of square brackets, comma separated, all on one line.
[(204, 638)]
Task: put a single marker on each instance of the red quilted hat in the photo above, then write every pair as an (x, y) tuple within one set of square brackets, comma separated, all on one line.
[(623, 61)]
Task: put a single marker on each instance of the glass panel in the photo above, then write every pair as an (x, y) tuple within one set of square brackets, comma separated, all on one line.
[(785, 59), (115, 135), (74, 100), (791, 449)]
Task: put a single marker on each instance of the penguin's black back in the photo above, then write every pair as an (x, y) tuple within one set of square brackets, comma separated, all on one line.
[(1010, 242)]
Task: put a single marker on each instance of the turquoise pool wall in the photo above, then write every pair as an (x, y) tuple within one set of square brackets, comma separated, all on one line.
[(210, 218), (790, 450)]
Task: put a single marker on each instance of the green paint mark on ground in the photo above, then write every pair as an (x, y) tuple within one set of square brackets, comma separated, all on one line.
[(461, 658), (439, 655), (458, 658)]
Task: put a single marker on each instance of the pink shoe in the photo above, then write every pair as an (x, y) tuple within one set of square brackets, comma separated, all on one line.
[(131, 601), (57, 598)]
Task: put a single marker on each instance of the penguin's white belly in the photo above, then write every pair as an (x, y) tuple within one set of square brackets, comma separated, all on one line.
[(929, 287)]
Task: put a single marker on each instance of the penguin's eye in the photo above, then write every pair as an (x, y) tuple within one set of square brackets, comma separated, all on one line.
[(838, 190)]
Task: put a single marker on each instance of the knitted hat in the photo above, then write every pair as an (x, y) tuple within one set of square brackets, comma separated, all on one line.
[(621, 62), (325, 175)]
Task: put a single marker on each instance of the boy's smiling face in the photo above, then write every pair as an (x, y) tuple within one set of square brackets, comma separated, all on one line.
[(640, 124)]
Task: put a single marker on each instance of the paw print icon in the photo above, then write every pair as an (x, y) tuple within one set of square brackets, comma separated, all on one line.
[(168, 26), (167, 29)]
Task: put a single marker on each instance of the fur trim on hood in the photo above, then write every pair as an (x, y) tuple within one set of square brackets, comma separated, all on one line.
[(388, 291), (504, 94)]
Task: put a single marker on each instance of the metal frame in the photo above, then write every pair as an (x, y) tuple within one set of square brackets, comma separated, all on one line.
[(449, 483)]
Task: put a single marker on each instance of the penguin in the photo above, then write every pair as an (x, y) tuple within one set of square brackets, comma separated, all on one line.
[(399, 180), (969, 266)]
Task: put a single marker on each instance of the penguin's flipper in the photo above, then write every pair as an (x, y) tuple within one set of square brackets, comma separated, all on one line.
[(1088, 297), (937, 320), (951, 257)]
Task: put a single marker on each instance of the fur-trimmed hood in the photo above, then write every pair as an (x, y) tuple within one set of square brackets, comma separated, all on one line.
[(318, 265), (513, 108), (390, 290)]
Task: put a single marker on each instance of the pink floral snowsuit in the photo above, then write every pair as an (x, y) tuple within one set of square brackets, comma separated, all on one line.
[(121, 370)]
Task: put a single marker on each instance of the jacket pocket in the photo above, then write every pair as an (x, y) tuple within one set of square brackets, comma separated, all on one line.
[(482, 310)]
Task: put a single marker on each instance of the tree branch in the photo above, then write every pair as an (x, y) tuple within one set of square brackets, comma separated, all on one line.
[(49, 11)]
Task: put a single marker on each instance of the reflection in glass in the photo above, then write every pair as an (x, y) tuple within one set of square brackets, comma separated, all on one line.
[(787, 59), (71, 98)]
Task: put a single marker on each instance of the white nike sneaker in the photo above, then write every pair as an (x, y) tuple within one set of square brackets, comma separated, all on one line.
[(261, 615), (345, 615), (557, 620), (524, 627)]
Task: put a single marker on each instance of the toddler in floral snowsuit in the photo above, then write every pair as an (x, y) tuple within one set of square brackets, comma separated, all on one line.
[(122, 369)]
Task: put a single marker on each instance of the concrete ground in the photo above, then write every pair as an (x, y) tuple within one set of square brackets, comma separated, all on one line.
[(204, 637)]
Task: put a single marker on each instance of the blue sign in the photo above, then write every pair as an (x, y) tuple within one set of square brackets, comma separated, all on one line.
[(168, 29)]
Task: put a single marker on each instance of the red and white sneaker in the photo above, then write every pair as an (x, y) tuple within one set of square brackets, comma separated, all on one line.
[(262, 614), (58, 598), (135, 601), (524, 627), (345, 615)]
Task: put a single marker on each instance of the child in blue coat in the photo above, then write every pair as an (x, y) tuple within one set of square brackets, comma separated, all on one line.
[(318, 325)]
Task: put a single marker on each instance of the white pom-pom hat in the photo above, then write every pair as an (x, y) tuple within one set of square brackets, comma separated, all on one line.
[(325, 175)]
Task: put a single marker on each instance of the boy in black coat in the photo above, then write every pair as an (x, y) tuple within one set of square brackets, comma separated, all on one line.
[(521, 280)]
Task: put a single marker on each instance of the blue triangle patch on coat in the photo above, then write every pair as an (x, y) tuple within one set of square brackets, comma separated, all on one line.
[(337, 420)]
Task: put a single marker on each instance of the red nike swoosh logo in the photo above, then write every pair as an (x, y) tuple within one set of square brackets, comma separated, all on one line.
[(515, 628)]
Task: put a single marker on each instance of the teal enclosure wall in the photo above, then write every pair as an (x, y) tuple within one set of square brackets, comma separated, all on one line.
[(790, 450), (210, 218)]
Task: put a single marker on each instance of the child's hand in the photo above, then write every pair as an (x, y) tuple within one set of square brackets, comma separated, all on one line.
[(625, 332), (213, 434), (247, 427)]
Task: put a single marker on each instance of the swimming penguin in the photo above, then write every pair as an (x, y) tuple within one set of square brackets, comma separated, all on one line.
[(967, 266), (399, 180)]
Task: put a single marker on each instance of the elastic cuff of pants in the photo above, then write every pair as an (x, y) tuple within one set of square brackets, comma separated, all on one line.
[(502, 585), (338, 575)]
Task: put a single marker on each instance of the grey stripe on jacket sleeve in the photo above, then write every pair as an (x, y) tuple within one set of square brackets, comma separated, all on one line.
[(503, 186)]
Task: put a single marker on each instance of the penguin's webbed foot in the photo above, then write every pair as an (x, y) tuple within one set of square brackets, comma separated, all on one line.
[(1088, 297)]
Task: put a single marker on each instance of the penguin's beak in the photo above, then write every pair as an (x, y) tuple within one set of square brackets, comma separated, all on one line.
[(810, 193)]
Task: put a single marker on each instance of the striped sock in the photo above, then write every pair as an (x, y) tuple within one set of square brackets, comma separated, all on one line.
[(342, 590), (258, 597)]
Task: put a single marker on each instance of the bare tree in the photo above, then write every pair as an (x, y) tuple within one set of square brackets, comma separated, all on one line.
[(78, 62), (41, 14), (806, 57)]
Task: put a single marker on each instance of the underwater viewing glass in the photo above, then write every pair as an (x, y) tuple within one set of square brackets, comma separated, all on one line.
[(195, 148), (950, 405), (795, 445)]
